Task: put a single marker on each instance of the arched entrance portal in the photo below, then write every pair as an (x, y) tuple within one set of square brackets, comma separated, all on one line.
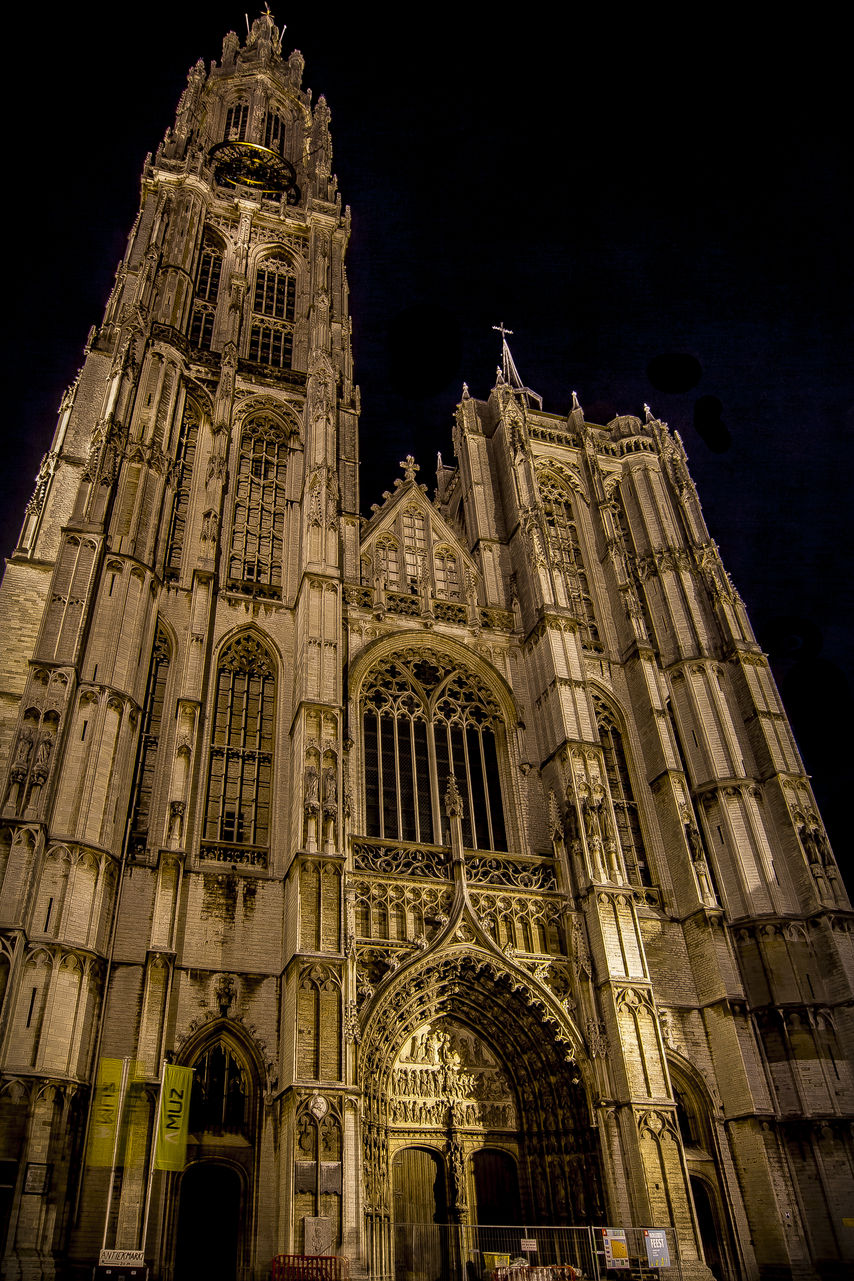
[(460, 1062), (209, 1212)]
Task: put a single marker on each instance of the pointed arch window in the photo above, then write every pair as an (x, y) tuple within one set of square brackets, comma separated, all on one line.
[(274, 131), (271, 334), (237, 807), (149, 742), (424, 719), (446, 573), (236, 122), (185, 457), (255, 558), (387, 563), (414, 545), (220, 1098), (626, 813), (570, 577), (207, 291)]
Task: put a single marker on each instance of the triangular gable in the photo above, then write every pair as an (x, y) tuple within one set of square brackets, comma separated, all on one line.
[(390, 525)]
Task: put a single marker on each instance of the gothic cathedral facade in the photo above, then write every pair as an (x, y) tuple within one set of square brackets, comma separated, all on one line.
[(463, 852)]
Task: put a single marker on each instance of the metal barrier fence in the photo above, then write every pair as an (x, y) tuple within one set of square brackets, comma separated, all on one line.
[(468, 1252)]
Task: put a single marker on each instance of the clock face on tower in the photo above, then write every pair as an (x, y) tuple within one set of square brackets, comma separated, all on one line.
[(248, 164)]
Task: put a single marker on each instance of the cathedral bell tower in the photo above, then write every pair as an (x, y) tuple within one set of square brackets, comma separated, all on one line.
[(407, 890), (172, 683)]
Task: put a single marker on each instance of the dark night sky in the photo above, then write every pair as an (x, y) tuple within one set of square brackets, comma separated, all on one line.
[(613, 191)]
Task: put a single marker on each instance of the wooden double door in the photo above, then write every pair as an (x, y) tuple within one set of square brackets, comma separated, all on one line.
[(423, 1239)]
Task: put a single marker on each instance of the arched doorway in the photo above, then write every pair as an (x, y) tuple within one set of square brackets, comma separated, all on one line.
[(419, 1198), (496, 1197), (709, 1231), (209, 1216), (496, 1187), (700, 1143)]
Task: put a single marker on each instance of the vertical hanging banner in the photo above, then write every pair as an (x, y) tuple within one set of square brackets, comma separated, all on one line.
[(173, 1121), (136, 1122), (106, 1108)]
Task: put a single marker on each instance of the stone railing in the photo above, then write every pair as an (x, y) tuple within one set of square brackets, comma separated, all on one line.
[(222, 852), (401, 858)]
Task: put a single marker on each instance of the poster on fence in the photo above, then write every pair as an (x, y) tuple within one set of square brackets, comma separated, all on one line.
[(657, 1253), (616, 1248)]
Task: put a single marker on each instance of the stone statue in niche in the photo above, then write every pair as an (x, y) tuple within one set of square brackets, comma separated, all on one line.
[(41, 764), (330, 791), (23, 752), (312, 789)]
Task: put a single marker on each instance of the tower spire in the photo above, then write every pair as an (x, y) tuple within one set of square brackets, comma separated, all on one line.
[(508, 374)]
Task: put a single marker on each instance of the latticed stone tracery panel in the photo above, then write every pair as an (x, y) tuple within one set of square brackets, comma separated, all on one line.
[(529, 924), (397, 912)]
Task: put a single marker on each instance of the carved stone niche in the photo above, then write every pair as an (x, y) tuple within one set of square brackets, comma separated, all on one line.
[(446, 1075)]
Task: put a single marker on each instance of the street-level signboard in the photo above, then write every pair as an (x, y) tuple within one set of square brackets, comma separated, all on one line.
[(121, 1265), (528, 1245), (616, 1248), (657, 1253)]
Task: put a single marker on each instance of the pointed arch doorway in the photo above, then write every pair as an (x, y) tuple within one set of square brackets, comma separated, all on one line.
[(419, 1196), (209, 1217), (457, 1060)]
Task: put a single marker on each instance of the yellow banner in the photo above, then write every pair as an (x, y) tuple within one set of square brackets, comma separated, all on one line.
[(105, 1113), (136, 1122), (173, 1122)]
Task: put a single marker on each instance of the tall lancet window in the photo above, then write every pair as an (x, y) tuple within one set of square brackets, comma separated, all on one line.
[(271, 334), (185, 457), (207, 291), (564, 548), (149, 742), (622, 795), (236, 122), (274, 131), (414, 545), (237, 808), (446, 573), (386, 562), (255, 558), (424, 719)]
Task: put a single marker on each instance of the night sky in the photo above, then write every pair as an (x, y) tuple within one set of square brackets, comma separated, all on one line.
[(616, 192)]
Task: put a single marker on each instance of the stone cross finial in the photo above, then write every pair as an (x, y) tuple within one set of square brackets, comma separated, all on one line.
[(410, 467)]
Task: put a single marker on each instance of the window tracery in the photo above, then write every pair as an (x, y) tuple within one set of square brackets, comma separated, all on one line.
[(387, 563), (271, 335), (236, 122), (185, 457), (626, 812), (414, 545), (274, 131), (446, 573), (565, 553), (237, 808), (220, 1094), (424, 719), (255, 558), (149, 742), (207, 292)]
